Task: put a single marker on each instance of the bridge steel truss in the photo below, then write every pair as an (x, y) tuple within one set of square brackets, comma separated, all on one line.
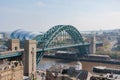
[(45, 39)]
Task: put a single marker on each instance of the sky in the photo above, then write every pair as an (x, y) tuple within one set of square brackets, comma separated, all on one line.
[(41, 15)]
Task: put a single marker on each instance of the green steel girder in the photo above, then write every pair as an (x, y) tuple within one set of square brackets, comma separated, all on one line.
[(51, 33), (71, 31)]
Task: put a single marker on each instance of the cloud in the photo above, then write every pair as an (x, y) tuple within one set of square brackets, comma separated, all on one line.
[(40, 3)]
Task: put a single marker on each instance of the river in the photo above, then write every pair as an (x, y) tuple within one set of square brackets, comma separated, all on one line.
[(45, 63)]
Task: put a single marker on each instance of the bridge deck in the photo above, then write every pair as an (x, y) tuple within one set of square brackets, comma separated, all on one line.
[(6, 52), (67, 46), (10, 54)]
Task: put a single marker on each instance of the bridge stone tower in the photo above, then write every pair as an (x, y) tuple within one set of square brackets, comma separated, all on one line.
[(29, 58), (93, 44), (13, 44)]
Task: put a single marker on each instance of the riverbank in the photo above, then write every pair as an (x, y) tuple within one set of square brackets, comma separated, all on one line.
[(111, 61), (46, 63)]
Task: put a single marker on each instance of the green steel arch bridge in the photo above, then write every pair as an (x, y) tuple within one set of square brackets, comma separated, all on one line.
[(58, 37), (63, 36)]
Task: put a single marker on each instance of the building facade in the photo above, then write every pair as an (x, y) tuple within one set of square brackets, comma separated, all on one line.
[(11, 71)]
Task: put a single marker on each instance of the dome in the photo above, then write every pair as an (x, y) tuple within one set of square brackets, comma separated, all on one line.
[(24, 35)]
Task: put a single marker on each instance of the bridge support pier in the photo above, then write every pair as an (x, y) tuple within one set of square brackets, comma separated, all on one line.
[(93, 45), (29, 58), (13, 44)]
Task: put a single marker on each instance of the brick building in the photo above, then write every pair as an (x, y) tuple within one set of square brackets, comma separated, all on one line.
[(11, 71)]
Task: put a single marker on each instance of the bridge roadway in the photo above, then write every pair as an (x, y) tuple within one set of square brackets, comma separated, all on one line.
[(63, 46), (68, 46), (10, 54)]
